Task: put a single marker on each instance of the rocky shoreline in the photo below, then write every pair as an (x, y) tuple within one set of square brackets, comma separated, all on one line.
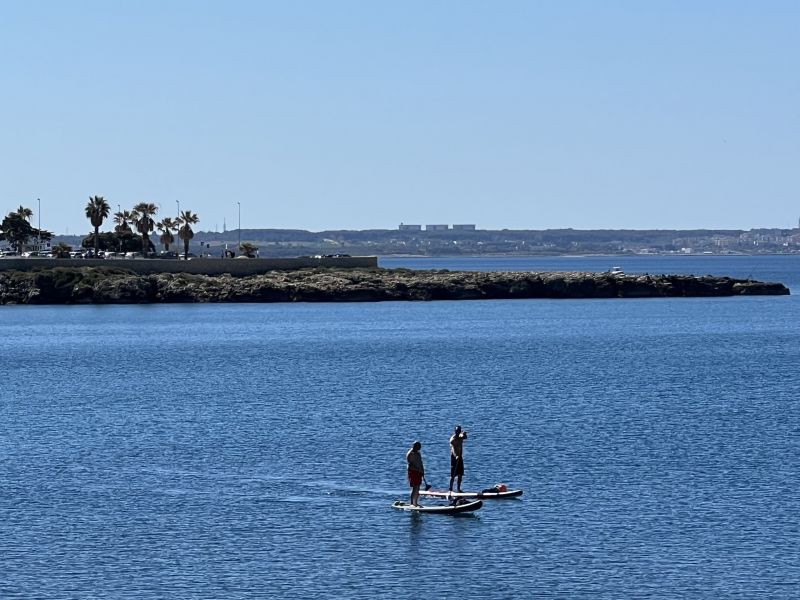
[(103, 285)]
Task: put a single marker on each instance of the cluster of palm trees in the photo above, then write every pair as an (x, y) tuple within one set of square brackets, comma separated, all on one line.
[(142, 218)]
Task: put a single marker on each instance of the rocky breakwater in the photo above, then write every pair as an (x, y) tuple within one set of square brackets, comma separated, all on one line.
[(100, 285)]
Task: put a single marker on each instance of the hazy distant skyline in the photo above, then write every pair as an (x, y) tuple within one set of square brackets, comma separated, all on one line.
[(357, 115)]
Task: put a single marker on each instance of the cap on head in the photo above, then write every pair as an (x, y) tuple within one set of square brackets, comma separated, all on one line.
[(458, 428)]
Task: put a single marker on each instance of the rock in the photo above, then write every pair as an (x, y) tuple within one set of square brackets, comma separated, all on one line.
[(77, 285)]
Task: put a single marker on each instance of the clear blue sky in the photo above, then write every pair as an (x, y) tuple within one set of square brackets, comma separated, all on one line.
[(360, 114)]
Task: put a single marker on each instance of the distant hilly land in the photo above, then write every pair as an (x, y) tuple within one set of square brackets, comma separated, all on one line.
[(466, 242)]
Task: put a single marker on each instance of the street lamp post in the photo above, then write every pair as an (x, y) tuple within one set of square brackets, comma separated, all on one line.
[(239, 204), (178, 202), (39, 216)]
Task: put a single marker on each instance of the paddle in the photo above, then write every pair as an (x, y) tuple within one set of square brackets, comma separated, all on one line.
[(427, 487)]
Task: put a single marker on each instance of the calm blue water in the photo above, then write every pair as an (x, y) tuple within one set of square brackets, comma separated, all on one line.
[(252, 451)]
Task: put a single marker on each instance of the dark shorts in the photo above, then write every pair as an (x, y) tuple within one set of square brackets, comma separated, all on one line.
[(456, 466), (414, 478)]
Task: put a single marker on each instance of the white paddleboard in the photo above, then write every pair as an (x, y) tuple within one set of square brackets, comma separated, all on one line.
[(442, 509), (487, 495)]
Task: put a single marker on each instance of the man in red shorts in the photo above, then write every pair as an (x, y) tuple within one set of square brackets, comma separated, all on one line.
[(415, 471)]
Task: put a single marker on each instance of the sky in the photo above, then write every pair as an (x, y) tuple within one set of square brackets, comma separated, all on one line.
[(363, 115)]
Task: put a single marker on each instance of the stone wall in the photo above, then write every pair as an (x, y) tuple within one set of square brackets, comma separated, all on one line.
[(239, 267)]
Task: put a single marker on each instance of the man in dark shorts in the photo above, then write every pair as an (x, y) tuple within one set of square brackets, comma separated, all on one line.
[(457, 456), (415, 471)]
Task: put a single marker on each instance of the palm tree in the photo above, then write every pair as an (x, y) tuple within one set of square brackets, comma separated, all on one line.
[(24, 213), (186, 220), (142, 217), (97, 210), (121, 219), (166, 226)]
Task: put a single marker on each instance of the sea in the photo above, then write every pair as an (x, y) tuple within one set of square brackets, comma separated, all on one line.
[(251, 451)]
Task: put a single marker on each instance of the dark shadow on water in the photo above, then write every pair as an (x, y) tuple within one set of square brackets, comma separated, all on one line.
[(418, 520)]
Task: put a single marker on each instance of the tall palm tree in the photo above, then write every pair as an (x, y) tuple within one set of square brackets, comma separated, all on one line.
[(166, 226), (121, 219), (142, 217), (186, 220), (97, 210)]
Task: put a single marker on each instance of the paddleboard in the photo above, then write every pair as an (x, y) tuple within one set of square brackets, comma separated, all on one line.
[(442, 509), (487, 495)]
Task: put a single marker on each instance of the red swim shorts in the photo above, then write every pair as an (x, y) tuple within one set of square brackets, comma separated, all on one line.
[(414, 478)]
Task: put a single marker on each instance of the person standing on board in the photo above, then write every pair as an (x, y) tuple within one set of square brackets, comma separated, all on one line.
[(457, 456), (415, 471)]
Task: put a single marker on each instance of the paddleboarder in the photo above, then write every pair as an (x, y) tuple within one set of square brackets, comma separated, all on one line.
[(457, 456), (415, 471)]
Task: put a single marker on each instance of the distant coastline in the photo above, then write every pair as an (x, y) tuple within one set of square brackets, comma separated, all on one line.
[(480, 242)]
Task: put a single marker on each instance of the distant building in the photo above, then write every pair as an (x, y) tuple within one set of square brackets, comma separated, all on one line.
[(34, 245), (437, 227), (463, 227), (724, 241), (404, 227)]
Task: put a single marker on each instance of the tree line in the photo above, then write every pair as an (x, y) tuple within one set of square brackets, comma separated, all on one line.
[(142, 217), (17, 230)]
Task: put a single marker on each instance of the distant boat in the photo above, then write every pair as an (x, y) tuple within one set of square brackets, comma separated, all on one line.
[(616, 271)]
